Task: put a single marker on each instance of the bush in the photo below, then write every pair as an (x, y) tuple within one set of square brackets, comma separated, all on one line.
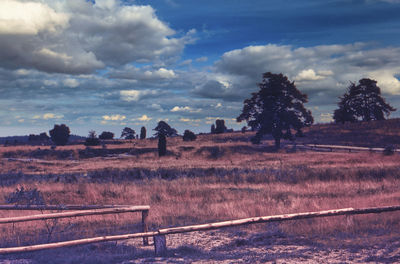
[(92, 139), (60, 134), (389, 150), (106, 135), (189, 136), (143, 133), (25, 197), (220, 126)]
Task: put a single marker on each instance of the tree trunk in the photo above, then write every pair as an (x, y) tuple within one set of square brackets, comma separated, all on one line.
[(162, 145), (277, 142)]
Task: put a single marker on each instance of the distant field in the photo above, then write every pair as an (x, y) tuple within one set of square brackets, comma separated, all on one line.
[(217, 177)]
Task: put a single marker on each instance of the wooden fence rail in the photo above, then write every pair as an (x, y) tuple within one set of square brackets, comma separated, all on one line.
[(209, 226), (78, 211), (344, 148)]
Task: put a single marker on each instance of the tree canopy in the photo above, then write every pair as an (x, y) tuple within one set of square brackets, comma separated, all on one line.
[(60, 134), (276, 109), (164, 129), (128, 133), (362, 102)]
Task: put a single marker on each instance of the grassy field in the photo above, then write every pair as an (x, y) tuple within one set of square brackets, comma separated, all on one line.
[(217, 177)]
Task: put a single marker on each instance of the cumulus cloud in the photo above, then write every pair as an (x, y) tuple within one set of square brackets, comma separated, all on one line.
[(117, 117), (48, 36), (143, 74), (136, 95), (73, 83), (185, 109), (144, 118), (48, 116), (318, 70)]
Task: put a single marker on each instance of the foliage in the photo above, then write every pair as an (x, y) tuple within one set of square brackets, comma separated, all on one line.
[(189, 136), (60, 134), (143, 133), (276, 107), (362, 102), (92, 139), (162, 145), (25, 197), (220, 126), (163, 128), (42, 137), (128, 133), (212, 129), (106, 135)]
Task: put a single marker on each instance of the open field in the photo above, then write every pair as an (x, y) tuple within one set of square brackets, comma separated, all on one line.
[(217, 177)]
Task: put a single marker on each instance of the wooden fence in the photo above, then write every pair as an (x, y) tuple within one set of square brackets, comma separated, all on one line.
[(159, 235), (78, 210), (343, 148)]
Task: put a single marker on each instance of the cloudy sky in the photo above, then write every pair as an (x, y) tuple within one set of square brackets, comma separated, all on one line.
[(106, 64)]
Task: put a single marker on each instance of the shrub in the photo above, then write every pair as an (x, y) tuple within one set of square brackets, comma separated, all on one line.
[(189, 136), (60, 134), (25, 197), (143, 133), (92, 139), (389, 150), (128, 133), (106, 135), (220, 126)]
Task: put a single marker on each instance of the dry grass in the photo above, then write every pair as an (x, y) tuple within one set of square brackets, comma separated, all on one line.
[(215, 178)]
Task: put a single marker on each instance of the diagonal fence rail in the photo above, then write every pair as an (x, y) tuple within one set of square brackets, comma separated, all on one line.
[(204, 227)]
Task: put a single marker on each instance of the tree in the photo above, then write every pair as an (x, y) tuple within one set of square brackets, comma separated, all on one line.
[(163, 128), (220, 126), (276, 107), (143, 133), (189, 136), (212, 129), (128, 133), (92, 139), (362, 102), (106, 135), (60, 134)]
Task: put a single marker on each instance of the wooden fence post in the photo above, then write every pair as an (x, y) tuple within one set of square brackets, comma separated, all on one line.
[(145, 214), (160, 245)]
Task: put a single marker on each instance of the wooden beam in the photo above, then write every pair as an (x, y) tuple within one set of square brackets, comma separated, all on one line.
[(58, 207), (74, 214)]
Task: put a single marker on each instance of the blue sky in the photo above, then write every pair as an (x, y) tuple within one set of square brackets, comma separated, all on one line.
[(103, 65)]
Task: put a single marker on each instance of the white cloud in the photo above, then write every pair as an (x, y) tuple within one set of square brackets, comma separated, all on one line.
[(117, 117), (73, 83), (78, 37), (185, 109), (48, 116), (29, 18), (202, 59), (308, 75), (143, 74), (135, 95), (144, 118)]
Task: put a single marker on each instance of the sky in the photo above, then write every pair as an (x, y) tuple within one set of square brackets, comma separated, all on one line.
[(108, 64)]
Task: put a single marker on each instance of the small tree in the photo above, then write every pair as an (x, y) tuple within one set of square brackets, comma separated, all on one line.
[(189, 136), (212, 129), (362, 102), (60, 134), (92, 139), (276, 107), (143, 133), (106, 135), (128, 133), (163, 128), (220, 126)]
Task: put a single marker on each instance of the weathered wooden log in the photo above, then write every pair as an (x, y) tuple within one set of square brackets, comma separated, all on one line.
[(83, 241), (74, 214), (145, 214), (58, 207), (160, 245)]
